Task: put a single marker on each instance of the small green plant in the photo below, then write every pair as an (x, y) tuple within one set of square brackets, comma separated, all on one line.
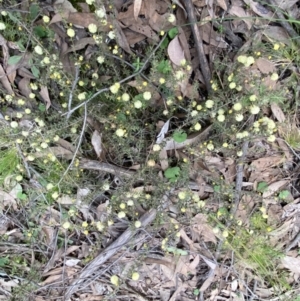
[(262, 187), (172, 173), (179, 136)]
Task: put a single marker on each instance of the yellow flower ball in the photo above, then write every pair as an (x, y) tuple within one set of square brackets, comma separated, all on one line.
[(49, 186), (225, 234), (19, 178), (237, 106), (182, 195), (137, 224), (242, 59), (197, 126), (111, 35), (151, 163), (38, 49), (147, 95), (46, 19), (71, 32), (274, 76), (156, 147), (239, 117), (14, 124), (114, 280), (209, 103), (55, 195), (210, 146), (250, 60), (232, 85), (120, 132), (171, 18), (135, 276), (221, 118), (125, 97), (239, 153), (82, 96), (271, 138), (254, 110), (138, 104), (121, 214), (66, 225), (92, 28), (115, 88)]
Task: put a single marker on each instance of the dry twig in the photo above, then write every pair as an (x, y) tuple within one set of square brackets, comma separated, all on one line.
[(112, 249), (204, 67)]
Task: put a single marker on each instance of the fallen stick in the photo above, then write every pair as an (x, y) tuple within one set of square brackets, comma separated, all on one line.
[(107, 253), (204, 67)]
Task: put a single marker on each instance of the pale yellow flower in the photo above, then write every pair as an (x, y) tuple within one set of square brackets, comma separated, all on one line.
[(125, 97), (221, 118), (138, 104), (92, 28), (100, 13), (237, 106), (120, 132), (66, 225), (14, 124), (71, 32), (209, 103), (239, 153), (171, 18), (232, 85), (151, 163), (271, 138), (46, 60), (38, 49), (274, 76), (2, 26), (197, 126), (82, 96), (210, 146), (242, 59), (156, 147), (135, 276), (250, 60), (121, 214), (46, 19), (147, 95), (111, 35), (100, 59), (239, 117), (115, 88), (254, 110)]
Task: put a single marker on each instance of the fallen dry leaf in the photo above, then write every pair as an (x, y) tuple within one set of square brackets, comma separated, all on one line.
[(274, 187), (97, 142), (45, 95), (265, 66), (175, 51), (136, 8), (277, 112), (5, 82), (240, 12), (291, 263)]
